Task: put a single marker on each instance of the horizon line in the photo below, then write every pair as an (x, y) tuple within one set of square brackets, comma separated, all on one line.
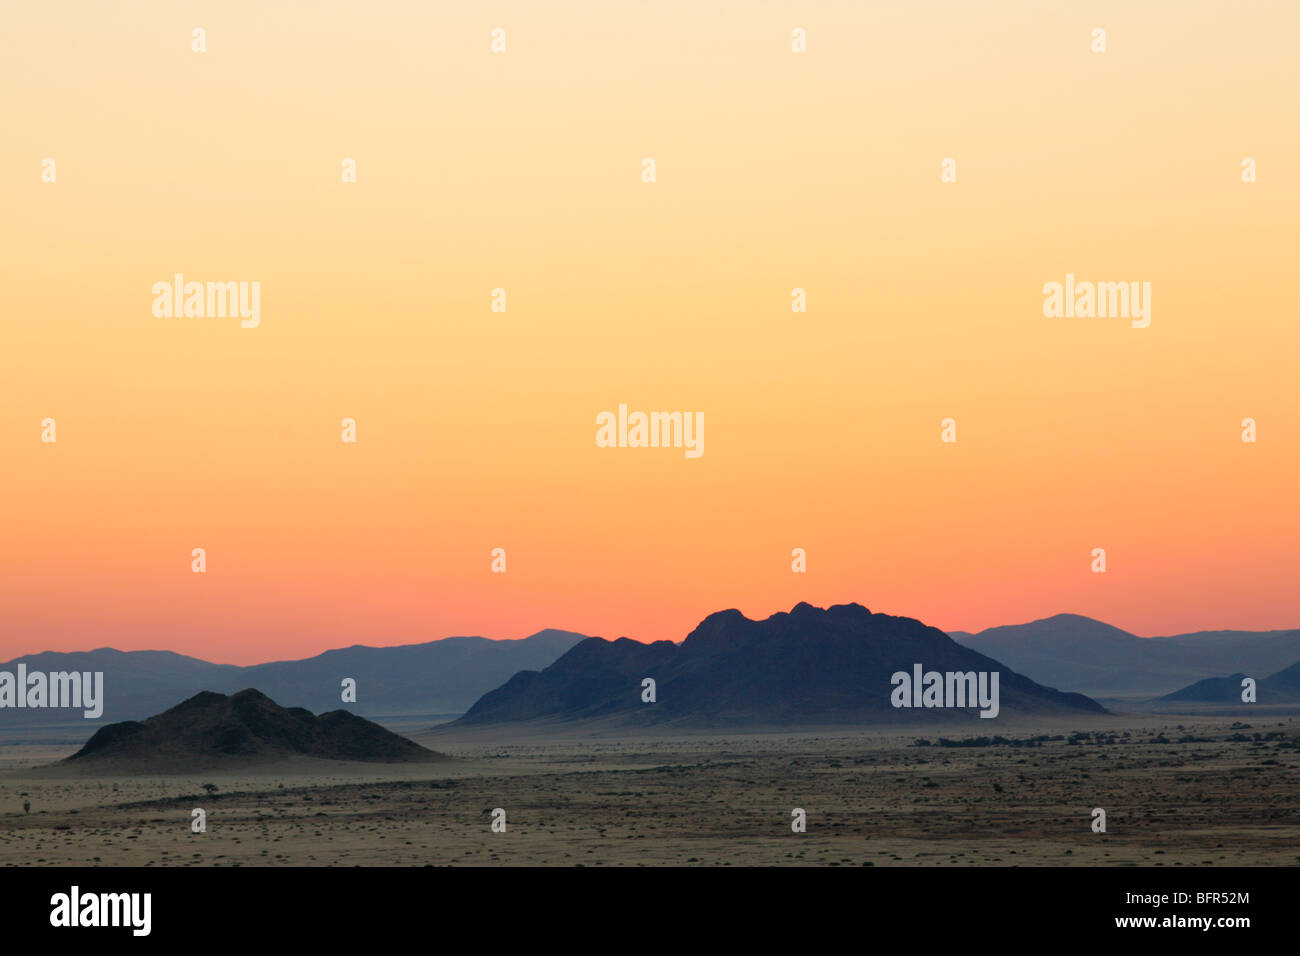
[(585, 636)]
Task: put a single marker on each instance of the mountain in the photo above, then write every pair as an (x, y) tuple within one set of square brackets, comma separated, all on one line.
[(215, 730), (136, 683), (805, 668), (437, 677), (1280, 688), (1079, 654)]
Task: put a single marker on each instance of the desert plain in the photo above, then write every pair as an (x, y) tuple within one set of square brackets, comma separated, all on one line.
[(1176, 791)]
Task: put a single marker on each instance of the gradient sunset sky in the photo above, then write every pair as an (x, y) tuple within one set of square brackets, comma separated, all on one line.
[(522, 171)]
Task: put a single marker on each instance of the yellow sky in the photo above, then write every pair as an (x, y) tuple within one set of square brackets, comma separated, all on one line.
[(522, 171)]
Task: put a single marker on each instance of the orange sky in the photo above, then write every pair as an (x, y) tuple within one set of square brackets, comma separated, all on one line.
[(522, 170)]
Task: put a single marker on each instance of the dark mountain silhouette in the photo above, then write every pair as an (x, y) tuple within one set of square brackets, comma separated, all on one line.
[(437, 677), (1079, 654), (1280, 688), (247, 727), (808, 667)]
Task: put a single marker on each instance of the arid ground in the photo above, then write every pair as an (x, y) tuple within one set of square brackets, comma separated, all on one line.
[(1177, 791)]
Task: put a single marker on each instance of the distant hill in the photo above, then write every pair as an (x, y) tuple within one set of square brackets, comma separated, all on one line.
[(808, 667), (1076, 653), (214, 730), (1280, 688), (437, 677), (136, 683)]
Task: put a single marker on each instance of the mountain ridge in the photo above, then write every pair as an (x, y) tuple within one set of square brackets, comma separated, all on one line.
[(1078, 653), (443, 676), (805, 666), (1282, 687)]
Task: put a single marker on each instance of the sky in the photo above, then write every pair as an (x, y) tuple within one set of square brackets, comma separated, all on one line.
[(523, 170)]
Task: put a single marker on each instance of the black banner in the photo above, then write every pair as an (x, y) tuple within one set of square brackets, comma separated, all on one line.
[(613, 909)]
